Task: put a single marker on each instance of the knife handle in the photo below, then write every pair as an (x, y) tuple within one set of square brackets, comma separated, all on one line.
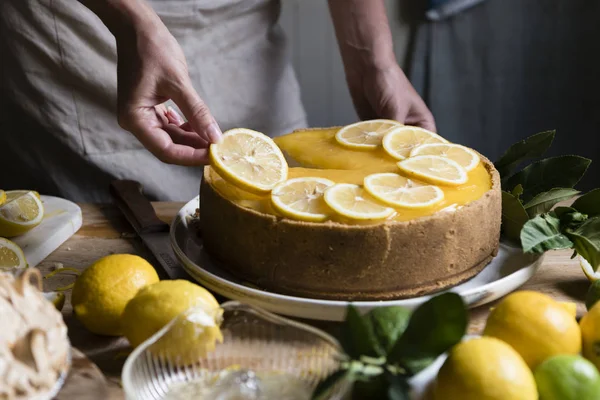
[(139, 212)]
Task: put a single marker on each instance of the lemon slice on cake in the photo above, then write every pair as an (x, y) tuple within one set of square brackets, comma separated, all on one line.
[(466, 157), (400, 141), (302, 198), (365, 135), (11, 256), (249, 160), (21, 212), (353, 202), (434, 169), (399, 191)]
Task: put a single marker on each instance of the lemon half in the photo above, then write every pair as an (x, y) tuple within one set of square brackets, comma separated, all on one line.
[(11, 255), (249, 159), (21, 212)]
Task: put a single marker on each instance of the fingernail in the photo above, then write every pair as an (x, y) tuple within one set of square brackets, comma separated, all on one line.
[(214, 133), (174, 116)]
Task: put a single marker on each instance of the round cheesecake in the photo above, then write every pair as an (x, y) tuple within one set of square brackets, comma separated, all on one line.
[(338, 260)]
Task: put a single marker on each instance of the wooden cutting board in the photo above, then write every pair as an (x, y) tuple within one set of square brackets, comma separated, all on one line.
[(62, 219)]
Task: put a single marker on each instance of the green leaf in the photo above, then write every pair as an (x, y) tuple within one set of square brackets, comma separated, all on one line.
[(541, 176), (434, 327), (544, 201), (388, 324), (543, 233), (589, 203), (561, 211), (358, 338), (590, 229), (374, 388), (514, 216), (534, 146), (399, 388), (323, 389), (517, 191), (586, 249)]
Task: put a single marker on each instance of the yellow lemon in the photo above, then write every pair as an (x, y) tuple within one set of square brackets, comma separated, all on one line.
[(535, 325), (11, 256), (434, 169), (464, 156), (194, 333), (21, 212), (365, 135), (249, 160), (398, 191), (400, 141), (484, 369), (590, 332), (103, 290), (2, 197)]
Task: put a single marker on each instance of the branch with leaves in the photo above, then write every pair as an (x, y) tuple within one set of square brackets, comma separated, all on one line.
[(389, 345), (529, 197)]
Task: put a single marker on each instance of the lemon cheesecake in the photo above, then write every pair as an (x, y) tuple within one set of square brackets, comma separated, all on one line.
[(370, 211)]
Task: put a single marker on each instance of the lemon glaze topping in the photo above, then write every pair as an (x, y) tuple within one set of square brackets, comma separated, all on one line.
[(321, 156)]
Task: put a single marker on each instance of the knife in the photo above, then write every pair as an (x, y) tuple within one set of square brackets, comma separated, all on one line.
[(129, 198)]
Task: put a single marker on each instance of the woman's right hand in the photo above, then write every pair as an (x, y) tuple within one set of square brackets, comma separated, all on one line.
[(151, 70)]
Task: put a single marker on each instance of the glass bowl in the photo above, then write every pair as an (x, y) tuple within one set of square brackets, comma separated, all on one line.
[(254, 342)]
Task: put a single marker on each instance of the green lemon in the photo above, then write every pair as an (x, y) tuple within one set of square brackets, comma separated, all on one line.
[(593, 295), (567, 377)]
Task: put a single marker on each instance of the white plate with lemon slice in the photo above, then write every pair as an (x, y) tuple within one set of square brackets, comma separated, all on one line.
[(508, 270)]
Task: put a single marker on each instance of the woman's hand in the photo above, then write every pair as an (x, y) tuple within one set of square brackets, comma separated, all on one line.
[(387, 93)]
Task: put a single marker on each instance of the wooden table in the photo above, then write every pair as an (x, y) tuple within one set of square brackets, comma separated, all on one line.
[(105, 231)]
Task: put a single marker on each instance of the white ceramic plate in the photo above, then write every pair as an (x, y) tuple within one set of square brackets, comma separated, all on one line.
[(507, 271)]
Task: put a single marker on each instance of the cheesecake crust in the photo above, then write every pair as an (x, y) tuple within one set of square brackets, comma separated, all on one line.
[(330, 260)]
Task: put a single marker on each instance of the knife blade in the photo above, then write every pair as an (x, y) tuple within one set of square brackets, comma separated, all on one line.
[(129, 198)]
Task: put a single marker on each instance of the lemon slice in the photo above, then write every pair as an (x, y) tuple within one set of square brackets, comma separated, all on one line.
[(434, 169), (464, 156), (11, 256), (2, 197), (399, 191), (13, 194), (21, 214), (302, 198), (400, 141), (353, 202), (365, 135), (249, 160), (588, 270)]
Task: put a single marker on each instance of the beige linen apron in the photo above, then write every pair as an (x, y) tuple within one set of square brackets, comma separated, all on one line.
[(58, 127)]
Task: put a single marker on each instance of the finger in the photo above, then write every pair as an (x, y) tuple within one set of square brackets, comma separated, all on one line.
[(174, 117), (197, 113), (149, 130), (419, 115), (185, 137)]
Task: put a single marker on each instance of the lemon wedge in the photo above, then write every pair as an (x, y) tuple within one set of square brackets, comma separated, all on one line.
[(249, 159), (2, 197), (11, 256), (398, 191), (353, 202), (588, 270), (365, 135), (56, 298), (19, 214), (302, 198), (434, 169), (400, 141), (464, 156)]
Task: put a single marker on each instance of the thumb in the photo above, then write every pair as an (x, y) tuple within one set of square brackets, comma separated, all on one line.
[(197, 113)]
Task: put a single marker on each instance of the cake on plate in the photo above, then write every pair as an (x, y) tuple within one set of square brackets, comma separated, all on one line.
[(370, 211)]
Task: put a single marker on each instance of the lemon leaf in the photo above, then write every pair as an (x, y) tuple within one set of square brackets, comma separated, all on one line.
[(434, 327), (389, 323), (541, 176), (543, 233), (589, 203), (586, 241), (399, 388), (543, 202), (514, 216), (358, 337), (534, 146)]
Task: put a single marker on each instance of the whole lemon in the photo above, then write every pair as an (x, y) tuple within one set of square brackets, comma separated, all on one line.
[(590, 332), (484, 369), (535, 325), (103, 290), (193, 334)]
